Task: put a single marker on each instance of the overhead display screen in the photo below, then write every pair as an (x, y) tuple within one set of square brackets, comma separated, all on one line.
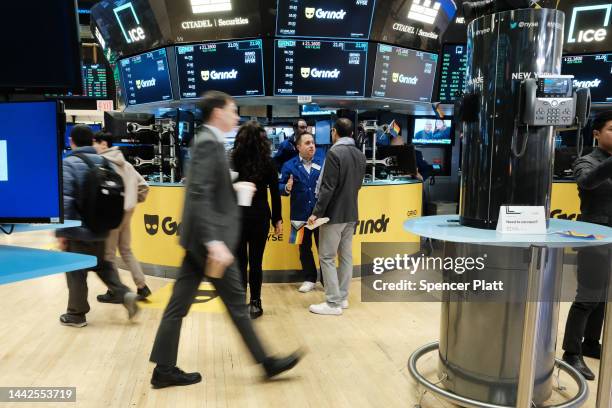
[(348, 19), (95, 81), (587, 26), (235, 68), (404, 74), (320, 68), (125, 27), (593, 72), (146, 78), (205, 20), (413, 23), (452, 72)]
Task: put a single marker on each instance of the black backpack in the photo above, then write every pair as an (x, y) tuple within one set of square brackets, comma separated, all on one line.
[(101, 197)]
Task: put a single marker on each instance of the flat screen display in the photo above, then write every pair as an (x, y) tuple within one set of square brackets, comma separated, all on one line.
[(320, 68), (41, 50), (593, 72), (413, 23), (146, 78), (348, 19), (125, 27), (31, 193), (206, 20), (432, 131), (452, 72), (323, 132), (95, 81), (235, 68), (588, 25), (404, 74)]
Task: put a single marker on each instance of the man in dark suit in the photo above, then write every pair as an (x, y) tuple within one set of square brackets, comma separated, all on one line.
[(338, 189), (210, 233)]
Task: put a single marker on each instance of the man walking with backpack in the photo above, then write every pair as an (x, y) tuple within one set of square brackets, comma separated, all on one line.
[(92, 193)]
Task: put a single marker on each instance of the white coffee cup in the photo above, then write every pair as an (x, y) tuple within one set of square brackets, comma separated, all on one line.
[(245, 192)]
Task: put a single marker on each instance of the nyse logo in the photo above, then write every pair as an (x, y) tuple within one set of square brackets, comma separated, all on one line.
[(423, 11), (215, 76), (3, 161), (169, 226), (597, 34), (310, 13), (142, 84), (133, 34), (319, 73), (403, 79), (210, 6)]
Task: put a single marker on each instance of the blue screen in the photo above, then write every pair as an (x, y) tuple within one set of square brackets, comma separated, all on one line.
[(323, 132), (29, 163), (146, 78)]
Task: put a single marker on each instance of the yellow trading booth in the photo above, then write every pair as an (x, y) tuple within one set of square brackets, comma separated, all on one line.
[(384, 206)]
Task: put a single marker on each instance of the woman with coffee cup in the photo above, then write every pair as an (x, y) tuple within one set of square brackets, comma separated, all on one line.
[(252, 159)]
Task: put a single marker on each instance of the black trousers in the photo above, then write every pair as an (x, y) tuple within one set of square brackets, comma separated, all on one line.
[(77, 280), (251, 251), (309, 267), (231, 291), (586, 315)]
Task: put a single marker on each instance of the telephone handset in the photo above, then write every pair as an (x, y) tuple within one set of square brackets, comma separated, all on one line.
[(547, 101)]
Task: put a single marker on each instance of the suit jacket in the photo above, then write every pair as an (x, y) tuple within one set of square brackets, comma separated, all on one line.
[(211, 210), (593, 174), (341, 180), (303, 197)]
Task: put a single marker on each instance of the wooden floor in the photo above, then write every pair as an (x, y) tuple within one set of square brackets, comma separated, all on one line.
[(356, 360)]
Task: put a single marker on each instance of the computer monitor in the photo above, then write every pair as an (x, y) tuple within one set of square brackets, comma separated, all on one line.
[(30, 163), (96, 127), (402, 158), (432, 131), (116, 123), (323, 132)]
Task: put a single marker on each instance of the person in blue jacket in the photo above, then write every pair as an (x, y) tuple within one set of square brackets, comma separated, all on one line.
[(287, 150), (299, 180)]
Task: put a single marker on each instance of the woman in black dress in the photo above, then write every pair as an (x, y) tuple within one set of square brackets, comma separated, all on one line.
[(252, 159)]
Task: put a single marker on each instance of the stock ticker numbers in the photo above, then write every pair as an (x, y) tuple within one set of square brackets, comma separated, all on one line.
[(95, 81), (452, 72), (325, 68), (234, 67)]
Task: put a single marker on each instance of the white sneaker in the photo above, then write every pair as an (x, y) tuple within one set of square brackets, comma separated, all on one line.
[(307, 287), (345, 304), (325, 309)]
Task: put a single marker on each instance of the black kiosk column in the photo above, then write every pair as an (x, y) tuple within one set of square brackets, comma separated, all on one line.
[(503, 49)]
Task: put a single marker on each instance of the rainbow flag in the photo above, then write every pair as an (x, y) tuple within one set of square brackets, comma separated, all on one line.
[(395, 129), (297, 233)]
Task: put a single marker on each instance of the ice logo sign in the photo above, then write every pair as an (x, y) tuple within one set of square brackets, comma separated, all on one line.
[(210, 6), (3, 161), (131, 34), (425, 12), (587, 35)]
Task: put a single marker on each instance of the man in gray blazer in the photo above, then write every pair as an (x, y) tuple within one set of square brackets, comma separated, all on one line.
[(210, 233), (338, 190)]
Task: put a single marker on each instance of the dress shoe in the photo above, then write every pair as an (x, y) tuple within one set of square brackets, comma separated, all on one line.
[(591, 349), (143, 292), (169, 377), (578, 363), (275, 366), (108, 297), (255, 309)]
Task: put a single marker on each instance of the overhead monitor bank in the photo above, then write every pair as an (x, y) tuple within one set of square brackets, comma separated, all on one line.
[(593, 72), (342, 19), (320, 68), (146, 78), (234, 67), (404, 74)]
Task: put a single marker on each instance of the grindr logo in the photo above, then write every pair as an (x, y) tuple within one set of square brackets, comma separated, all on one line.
[(310, 12), (395, 77), (205, 75), (305, 72), (151, 223)]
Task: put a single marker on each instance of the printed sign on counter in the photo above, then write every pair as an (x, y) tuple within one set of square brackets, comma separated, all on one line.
[(521, 220)]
